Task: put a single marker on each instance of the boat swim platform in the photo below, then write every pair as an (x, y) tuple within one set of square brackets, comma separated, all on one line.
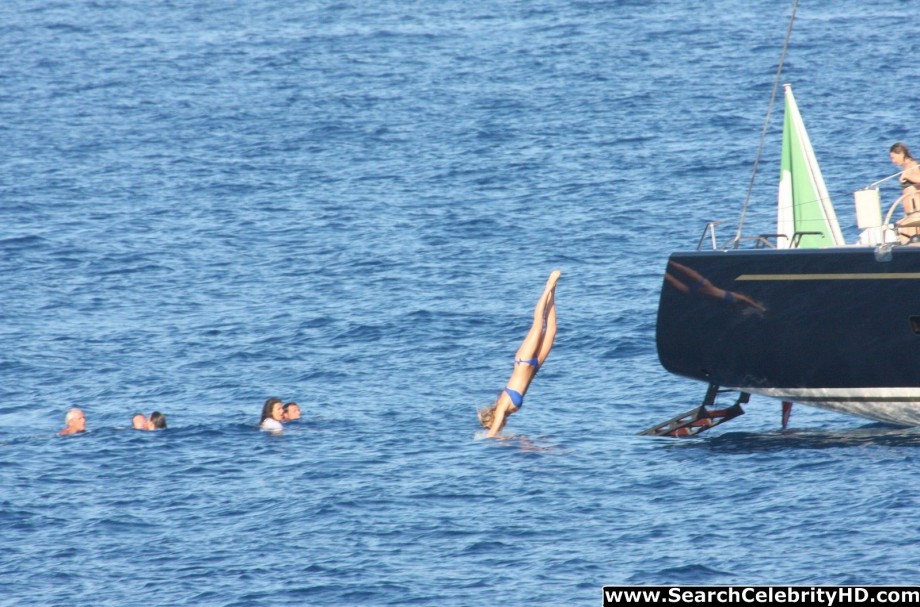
[(700, 418)]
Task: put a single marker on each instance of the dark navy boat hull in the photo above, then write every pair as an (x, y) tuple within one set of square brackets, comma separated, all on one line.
[(836, 328)]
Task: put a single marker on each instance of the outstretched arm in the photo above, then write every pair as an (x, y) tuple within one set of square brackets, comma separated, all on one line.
[(501, 416)]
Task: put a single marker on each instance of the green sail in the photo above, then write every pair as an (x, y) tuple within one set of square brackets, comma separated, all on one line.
[(803, 202)]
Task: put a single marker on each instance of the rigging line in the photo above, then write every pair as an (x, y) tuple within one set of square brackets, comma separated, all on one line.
[(766, 123), (898, 174)]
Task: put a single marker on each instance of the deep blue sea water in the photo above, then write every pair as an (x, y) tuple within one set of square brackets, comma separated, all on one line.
[(355, 205)]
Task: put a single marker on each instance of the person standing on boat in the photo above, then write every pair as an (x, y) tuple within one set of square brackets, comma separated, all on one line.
[(910, 184), (528, 360)]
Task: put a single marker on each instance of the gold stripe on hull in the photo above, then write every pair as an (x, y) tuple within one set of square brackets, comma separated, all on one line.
[(891, 276)]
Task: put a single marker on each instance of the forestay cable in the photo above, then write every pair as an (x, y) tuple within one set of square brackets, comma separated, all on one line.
[(763, 134)]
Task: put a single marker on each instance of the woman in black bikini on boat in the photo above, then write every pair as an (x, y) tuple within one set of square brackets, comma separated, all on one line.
[(530, 356)]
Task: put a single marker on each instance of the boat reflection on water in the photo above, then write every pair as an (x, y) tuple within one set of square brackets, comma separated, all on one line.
[(692, 282), (881, 435)]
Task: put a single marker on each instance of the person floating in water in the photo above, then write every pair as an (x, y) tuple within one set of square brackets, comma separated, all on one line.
[(157, 421), (291, 412), (272, 414), (530, 357), (74, 422)]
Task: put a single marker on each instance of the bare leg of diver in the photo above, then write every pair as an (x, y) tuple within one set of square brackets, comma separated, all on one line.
[(531, 345), (549, 333)]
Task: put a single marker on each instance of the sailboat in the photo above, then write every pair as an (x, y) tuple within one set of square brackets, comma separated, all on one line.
[(798, 315)]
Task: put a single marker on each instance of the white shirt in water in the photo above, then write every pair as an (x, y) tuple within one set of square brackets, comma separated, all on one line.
[(271, 425)]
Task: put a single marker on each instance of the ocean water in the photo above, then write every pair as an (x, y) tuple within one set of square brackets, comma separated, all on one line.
[(355, 205)]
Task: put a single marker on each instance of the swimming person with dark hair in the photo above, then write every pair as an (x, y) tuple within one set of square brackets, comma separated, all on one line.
[(272, 413), (157, 421), (291, 412), (528, 360)]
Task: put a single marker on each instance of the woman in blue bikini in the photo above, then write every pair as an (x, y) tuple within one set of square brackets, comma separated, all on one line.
[(530, 357)]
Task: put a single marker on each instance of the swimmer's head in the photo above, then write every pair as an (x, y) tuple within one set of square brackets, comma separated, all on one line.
[(486, 416), (157, 421), (139, 422), (273, 408), (75, 420), (291, 411)]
